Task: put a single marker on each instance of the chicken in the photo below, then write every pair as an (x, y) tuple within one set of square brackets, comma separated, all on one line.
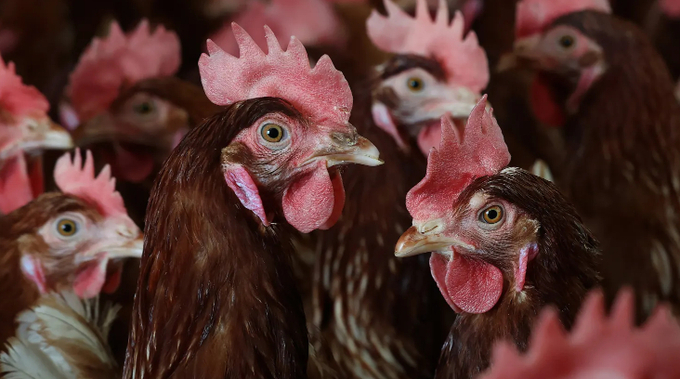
[(379, 316), (505, 243), (110, 108), (599, 346), (621, 131), (75, 239), (218, 299), (25, 131), (62, 337)]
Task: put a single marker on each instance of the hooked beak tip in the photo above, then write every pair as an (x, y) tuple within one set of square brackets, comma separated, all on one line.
[(57, 138), (410, 243), (363, 152)]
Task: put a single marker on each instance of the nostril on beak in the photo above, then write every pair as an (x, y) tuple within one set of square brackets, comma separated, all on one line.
[(345, 139)]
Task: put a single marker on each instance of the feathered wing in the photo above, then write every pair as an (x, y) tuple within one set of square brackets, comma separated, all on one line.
[(62, 336)]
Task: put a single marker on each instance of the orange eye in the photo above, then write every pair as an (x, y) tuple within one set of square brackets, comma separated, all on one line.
[(272, 133), (415, 84), (67, 227), (492, 215)]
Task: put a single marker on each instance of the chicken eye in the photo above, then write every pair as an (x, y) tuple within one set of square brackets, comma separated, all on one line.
[(144, 108), (492, 215), (567, 41), (67, 227), (415, 84), (272, 132)]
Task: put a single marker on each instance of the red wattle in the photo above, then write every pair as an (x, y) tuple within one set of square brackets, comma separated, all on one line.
[(131, 166), (90, 279), (543, 103), (468, 285), (339, 196), (115, 272), (309, 203)]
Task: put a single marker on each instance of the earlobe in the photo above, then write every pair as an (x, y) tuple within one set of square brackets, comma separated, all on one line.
[(32, 268), (240, 181), (526, 254), (382, 118)]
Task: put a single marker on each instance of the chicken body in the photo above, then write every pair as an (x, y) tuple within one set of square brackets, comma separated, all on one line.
[(241, 313), (40, 254), (562, 272), (621, 138), (505, 243), (376, 314)]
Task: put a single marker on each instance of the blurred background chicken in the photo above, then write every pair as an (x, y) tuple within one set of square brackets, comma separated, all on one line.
[(75, 239), (612, 96), (585, 98), (25, 132)]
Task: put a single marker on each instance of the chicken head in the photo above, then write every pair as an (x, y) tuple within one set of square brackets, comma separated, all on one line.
[(292, 147), (25, 130), (562, 53), (437, 69), (109, 107), (77, 238)]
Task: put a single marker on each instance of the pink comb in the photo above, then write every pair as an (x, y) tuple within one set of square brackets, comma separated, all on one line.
[(463, 59), (17, 98), (670, 7), (598, 346), (313, 22), (534, 15), (74, 178), (118, 60), (461, 158), (321, 91)]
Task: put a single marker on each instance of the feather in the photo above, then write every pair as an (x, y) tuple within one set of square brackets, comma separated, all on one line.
[(69, 333)]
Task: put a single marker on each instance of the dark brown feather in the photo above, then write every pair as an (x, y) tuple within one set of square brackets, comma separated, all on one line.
[(560, 275), (623, 166), (216, 296)]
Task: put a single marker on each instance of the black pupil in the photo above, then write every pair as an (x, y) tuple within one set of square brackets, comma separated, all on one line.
[(414, 83), (144, 108), (492, 214), (273, 133), (567, 41), (67, 227)]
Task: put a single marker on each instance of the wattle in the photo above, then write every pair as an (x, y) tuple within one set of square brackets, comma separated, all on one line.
[(468, 285), (314, 201), (543, 103)]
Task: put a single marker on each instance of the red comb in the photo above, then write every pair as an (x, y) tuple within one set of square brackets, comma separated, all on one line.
[(321, 91), (313, 22), (463, 59), (461, 158), (18, 98), (110, 63), (598, 347), (534, 15), (74, 178)]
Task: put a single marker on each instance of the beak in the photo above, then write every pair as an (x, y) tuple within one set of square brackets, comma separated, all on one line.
[(50, 136), (57, 138), (413, 242), (349, 149), (522, 56), (460, 108), (131, 249), (97, 129)]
